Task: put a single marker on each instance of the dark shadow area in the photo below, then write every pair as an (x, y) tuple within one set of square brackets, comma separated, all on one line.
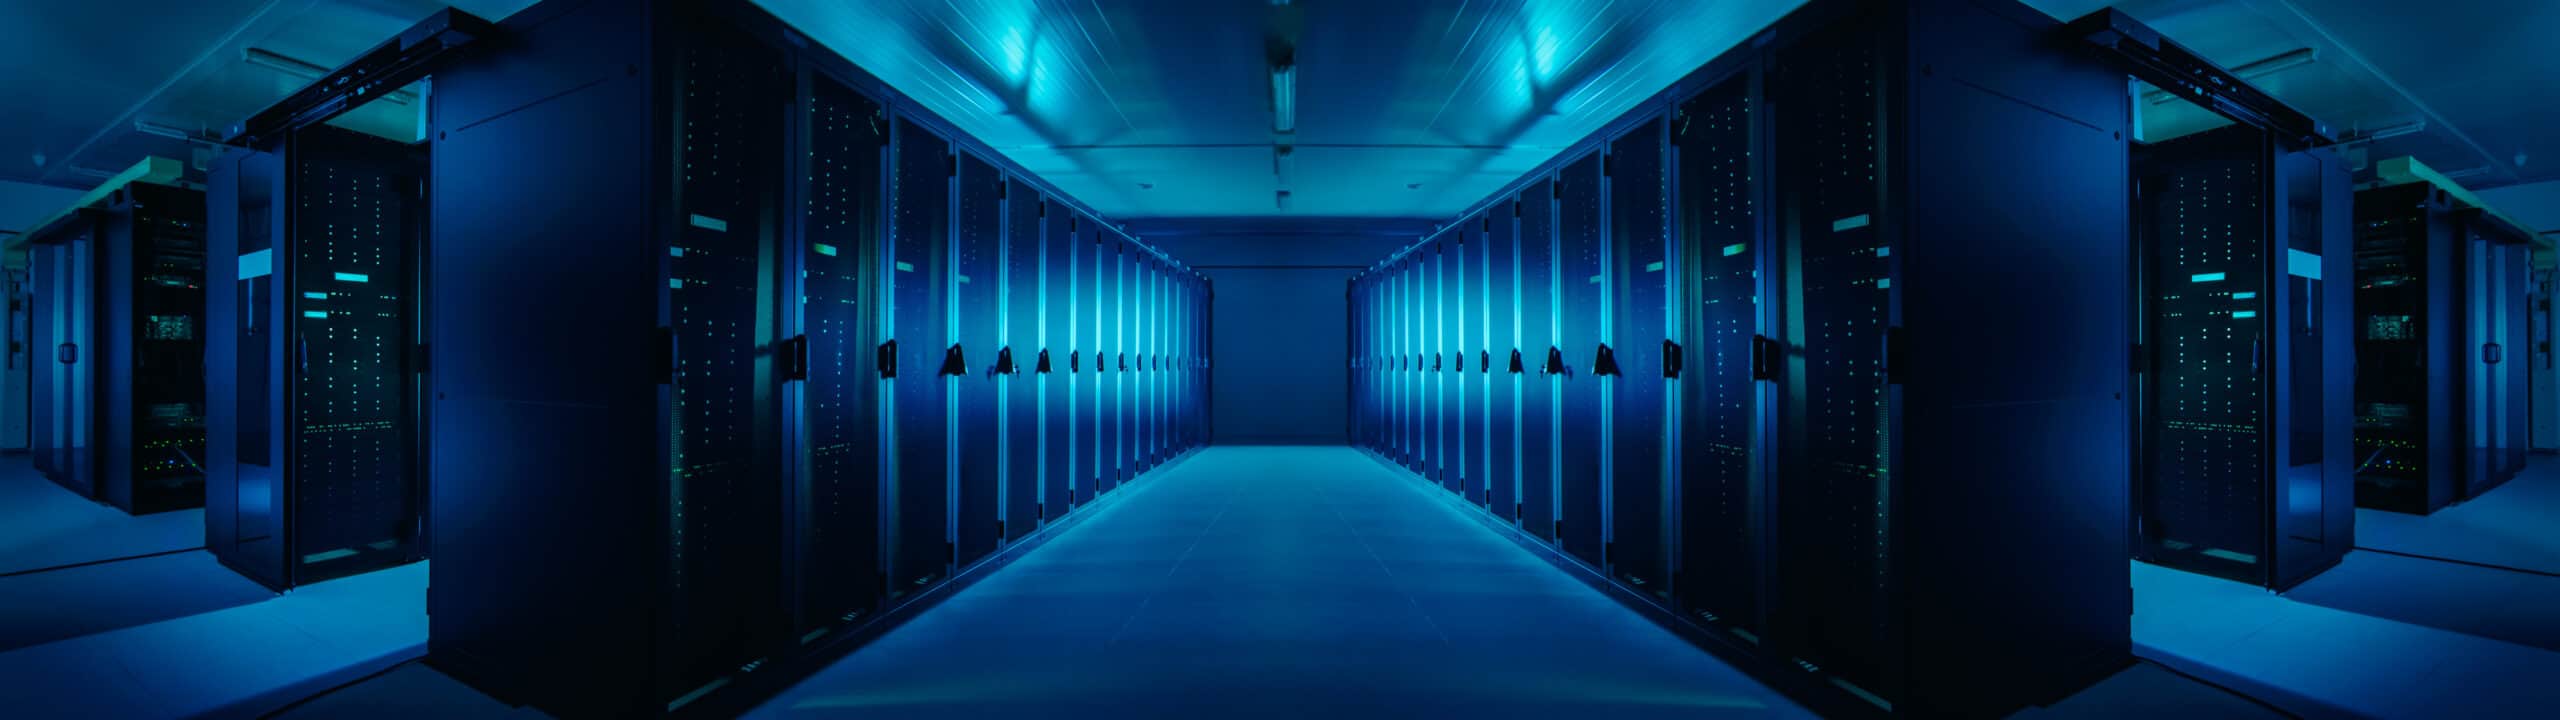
[(2512, 525), (42, 607), (45, 526), (2516, 607), (409, 690), (2149, 690)]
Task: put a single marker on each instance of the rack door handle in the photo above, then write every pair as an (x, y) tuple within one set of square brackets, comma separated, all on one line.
[(794, 353), (1672, 361), (1517, 367), (1004, 362), (1604, 362), (1555, 361), (1042, 365), (1765, 352), (955, 362)]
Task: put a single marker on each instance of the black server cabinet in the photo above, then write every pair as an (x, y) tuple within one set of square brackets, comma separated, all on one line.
[(839, 456), (1434, 324), (1089, 407), (1143, 352), (2506, 295), (2432, 284), (1725, 399), (1903, 268), (923, 351), (607, 415), (1950, 206), (1643, 268), (1453, 337), (1107, 274), (1585, 374), (2496, 272), (2244, 328), (1474, 411), (313, 460), (1017, 360), (1535, 210), (1059, 363), (119, 398), (1398, 360), (974, 365), (1505, 364)]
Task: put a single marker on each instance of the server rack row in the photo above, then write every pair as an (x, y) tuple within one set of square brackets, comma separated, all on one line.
[(2244, 357), (1750, 357), (757, 354), (117, 405), (314, 457), (2440, 304)]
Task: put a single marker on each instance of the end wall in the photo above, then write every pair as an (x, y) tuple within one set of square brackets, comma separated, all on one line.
[(1276, 363)]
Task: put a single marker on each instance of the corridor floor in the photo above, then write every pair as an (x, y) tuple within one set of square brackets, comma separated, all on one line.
[(1279, 582)]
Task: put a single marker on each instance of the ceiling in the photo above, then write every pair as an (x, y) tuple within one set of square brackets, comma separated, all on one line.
[(1404, 108), (104, 70)]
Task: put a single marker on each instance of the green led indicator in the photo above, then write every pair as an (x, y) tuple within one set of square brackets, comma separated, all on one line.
[(826, 249), (1733, 249)]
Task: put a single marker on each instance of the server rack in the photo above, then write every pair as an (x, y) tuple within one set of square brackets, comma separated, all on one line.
[(314, 458), (2439, 300), (1726, 405), (730, 349), (1017, 361), (1646, 358), (118, 400), (1533, 209), (836, 449), (1503, 364), (1475, 468), (1585, 366), (1881, 495), (2244, 469), (972, 366), (1065, 435)]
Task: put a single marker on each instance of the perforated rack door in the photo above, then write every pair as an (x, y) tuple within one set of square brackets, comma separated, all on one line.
[(2204, 497), (920, 245), (1067, 432), (1021, 406), (724, 572), (1467, 284), (1434, 357), (1502, 339), (1720, 490), (354, 483), (1643, 266), (1107, 334), (1582, 320), (840, 554), (976, 284), (1090, 271), (1538, 339), (1834, 549)]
